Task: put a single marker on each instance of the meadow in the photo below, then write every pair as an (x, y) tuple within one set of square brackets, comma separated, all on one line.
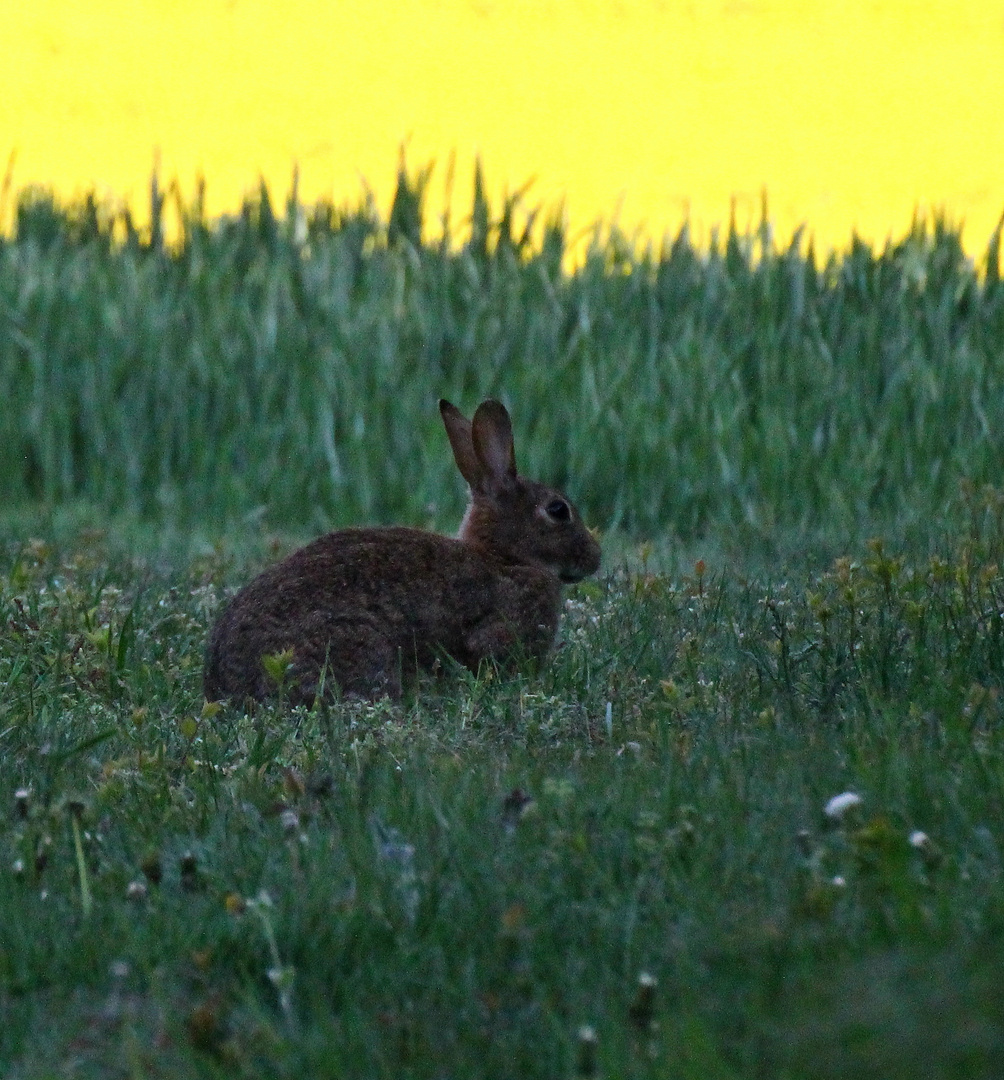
[(747, 822)]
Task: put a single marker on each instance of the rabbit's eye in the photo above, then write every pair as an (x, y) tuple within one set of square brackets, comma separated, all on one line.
[(558, 509)]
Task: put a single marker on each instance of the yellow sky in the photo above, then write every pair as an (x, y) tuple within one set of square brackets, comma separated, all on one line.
[(849, 115)]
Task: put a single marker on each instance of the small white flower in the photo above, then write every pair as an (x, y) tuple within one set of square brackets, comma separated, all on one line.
[(839, 882), (840, 804), (919, 839)]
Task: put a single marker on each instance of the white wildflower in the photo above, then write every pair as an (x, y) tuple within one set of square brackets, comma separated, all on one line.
[(840, 804)]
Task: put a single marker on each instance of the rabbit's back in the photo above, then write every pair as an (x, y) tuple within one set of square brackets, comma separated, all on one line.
[(369, 607)]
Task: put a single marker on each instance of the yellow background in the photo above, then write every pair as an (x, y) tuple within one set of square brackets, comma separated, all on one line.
[(850, 115)]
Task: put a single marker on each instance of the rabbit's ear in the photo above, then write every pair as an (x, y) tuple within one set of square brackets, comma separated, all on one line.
[(491, 433), (458, 431)]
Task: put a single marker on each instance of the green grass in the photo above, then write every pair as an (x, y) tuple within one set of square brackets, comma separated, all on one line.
[(289, 365), (485, 879), (459, 885)]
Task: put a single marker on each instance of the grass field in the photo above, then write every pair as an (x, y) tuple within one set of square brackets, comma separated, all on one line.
[(634, 863), (285, 364)]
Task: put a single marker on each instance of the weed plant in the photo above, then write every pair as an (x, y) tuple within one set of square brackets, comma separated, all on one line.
[(631, 864), (287, 365)]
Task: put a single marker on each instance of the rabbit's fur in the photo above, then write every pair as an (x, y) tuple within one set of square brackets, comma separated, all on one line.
[(370, 607)]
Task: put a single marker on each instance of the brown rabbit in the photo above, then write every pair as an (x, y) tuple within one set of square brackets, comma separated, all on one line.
[(370, 607)]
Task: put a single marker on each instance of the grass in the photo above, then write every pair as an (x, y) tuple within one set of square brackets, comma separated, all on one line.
[(461, 884), (288, 365), (621, 866)]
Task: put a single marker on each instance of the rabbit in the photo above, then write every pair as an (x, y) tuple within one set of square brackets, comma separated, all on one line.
[(365, 609)]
